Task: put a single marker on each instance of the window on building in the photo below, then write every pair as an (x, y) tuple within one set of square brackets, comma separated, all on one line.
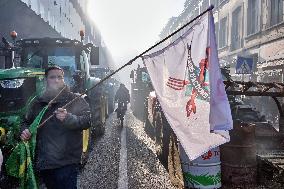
[(214, 2), (236, 36), (40, 8), (223, 33), (53, 21), (195, 13), (92, 31), (255, 61), (221, 1), (34, 6), (252, 17), (276, 12), (204, 5), (48, 16), (216, 31)]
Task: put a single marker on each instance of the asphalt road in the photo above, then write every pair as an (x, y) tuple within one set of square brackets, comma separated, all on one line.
[(124, 158)]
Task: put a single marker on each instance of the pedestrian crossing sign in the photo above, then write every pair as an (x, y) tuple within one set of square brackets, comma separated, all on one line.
[(244, 65)]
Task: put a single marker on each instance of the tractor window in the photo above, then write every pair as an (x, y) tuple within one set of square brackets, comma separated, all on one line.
[(5, 58), (36, 57), (41, 57), (64, 58), (145, 77), (34, 61), (33, 58), (5, 62), (2, 62)]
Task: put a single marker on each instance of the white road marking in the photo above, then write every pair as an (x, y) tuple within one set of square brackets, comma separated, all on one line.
[(123, 179)]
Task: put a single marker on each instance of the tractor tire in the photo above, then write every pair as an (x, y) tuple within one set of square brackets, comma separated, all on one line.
[(98, 111), (158, 134), (168, 153), (100, 130), (174, 163), (110, 105)]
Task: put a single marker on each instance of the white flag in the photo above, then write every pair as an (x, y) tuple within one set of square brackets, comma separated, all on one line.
[(188, 83)]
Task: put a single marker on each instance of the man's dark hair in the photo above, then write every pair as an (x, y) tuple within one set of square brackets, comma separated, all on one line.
[(52, 68)]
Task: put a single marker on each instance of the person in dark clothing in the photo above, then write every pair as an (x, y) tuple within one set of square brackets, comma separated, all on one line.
[(122, 97), (59, 140)]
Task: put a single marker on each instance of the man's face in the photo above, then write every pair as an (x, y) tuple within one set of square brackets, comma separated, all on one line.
[(55, 80)]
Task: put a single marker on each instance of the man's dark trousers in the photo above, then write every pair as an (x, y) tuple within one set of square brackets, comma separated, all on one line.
[(61, 178)]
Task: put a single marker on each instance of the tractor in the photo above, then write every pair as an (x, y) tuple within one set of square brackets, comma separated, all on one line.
[(110, 86)]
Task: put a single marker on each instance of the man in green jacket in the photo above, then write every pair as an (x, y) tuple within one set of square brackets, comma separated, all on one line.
[(59, 140)]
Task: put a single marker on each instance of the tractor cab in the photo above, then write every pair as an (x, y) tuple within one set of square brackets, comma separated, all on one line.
[(71, 55)]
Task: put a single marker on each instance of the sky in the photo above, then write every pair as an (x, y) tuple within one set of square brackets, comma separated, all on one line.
[(129, 27)]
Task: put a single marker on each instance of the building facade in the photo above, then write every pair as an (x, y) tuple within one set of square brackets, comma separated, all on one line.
[(247, 28), (51, 18), (251, 29)]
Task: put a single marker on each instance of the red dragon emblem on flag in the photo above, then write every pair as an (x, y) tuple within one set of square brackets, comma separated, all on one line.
[(195, 82)]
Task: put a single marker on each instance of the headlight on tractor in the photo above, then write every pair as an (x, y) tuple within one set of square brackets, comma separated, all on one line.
[(13, 83)]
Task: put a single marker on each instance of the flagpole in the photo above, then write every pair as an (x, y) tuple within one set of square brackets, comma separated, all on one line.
[(132, 60)]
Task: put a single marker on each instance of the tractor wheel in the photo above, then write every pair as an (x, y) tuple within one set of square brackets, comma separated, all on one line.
[(174, 163), (98, 114), (158, 133), (100, 130)]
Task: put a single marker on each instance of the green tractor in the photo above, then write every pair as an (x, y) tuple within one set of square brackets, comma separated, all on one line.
[(22, 79), (110, 86)]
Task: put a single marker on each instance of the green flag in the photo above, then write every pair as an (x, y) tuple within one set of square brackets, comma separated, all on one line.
[(20, 162)]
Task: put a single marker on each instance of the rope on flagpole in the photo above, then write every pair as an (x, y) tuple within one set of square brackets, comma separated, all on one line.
[(131, 61)]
